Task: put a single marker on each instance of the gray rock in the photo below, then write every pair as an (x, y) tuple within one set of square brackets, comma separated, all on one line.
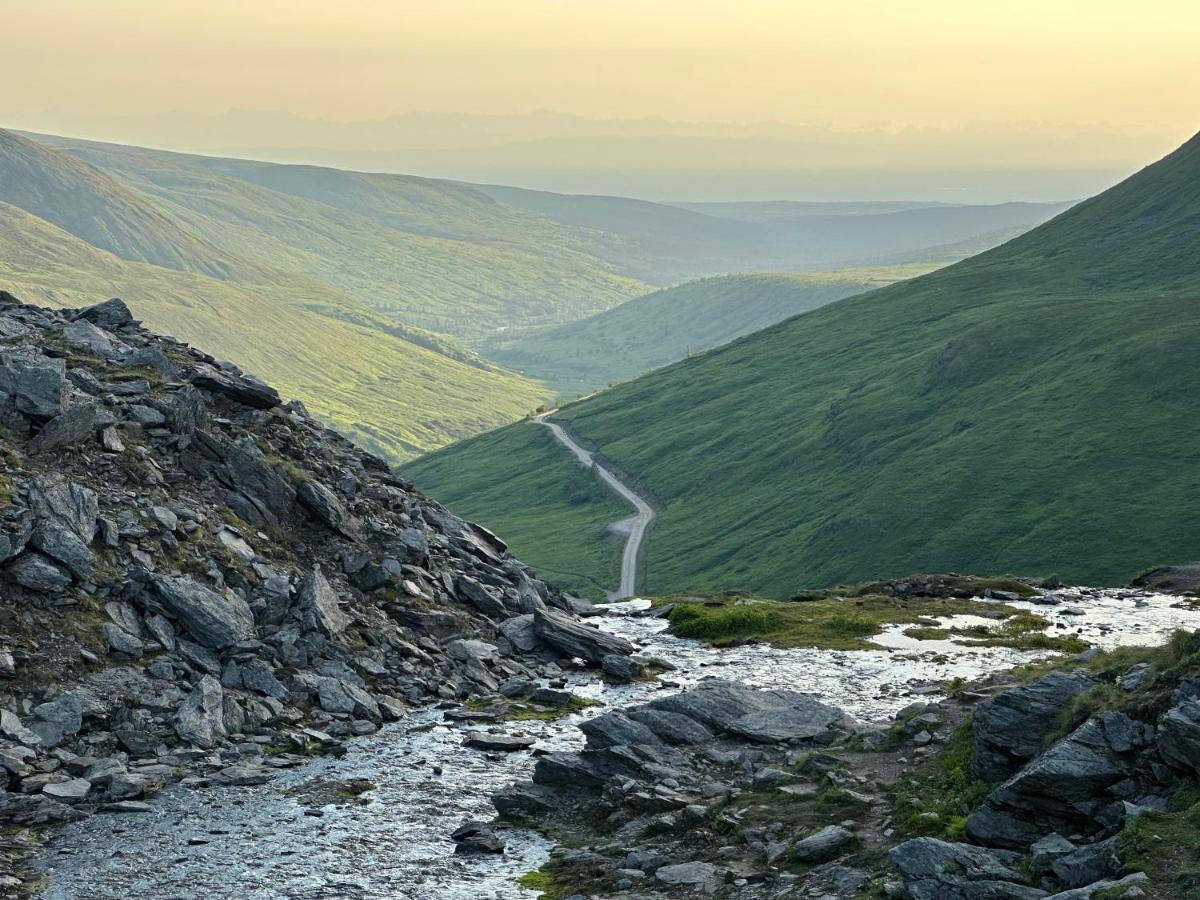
[(317, 605), (615, 728), (146, 416), (33, 384), (621, 669), (40, 809), (75, 426), (481, 598), (938, 870), (72, 791), (213, 620), (185, 410), (671, 727), (161, 630), (37, 573), (764, 716), (1065, 788), (501, 743), (1129, 886), (1087, 865), (687, 873), (1044, 852), (53, 498), (519, 632), (1011, 728), (13, 728), (339, 696), (327, 508), (575, 639), (823, 846), (108, 315), (257, 676), (269, 496), (121, 641), (200, 719), (64, 546), (476, 837), (83, 335), (1179, 737), (164, 517), (240, 388), (65, 711)]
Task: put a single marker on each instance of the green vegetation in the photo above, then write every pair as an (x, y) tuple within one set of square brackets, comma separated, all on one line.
[(1028, 409), (935, 798), (834, 621), (1164, 845), (560, 878), (391, 395), (553, 514), (668, 325)]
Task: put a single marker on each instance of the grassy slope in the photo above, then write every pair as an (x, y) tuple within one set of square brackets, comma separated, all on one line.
[(668, 325), (94, 206), (429, 253), (1031, 409), (534, 489), (388, 393)]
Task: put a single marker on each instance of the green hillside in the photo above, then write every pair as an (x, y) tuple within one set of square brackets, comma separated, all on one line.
[(1031, 409), (668, 325), (428, 253), (93, 206), (388, 393)]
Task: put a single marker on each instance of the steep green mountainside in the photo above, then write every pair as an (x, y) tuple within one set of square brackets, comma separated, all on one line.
[(390, 394), (94, 206), (670, 324), (681, 242), (428, 253), (1031, 409)]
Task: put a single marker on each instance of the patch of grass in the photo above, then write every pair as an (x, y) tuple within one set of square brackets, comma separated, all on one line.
[(934, 799), (1165, 846), (923, 633), (559, 879), (829, 622), (574, 705), (1025, 631)]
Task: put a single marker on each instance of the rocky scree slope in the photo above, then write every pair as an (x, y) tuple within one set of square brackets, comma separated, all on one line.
[(201, 578), (1078, 783)]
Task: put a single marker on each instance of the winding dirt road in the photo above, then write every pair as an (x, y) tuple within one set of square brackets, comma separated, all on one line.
[(635, 525)]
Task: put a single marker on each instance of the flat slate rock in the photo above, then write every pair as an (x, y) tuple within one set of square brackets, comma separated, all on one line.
[(503, 743)]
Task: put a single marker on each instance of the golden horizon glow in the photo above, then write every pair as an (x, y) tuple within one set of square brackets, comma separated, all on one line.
[(1052, 66)]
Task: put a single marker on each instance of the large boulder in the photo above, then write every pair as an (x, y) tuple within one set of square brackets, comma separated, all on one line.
[(269, 496), (575, 639), (758, 715), (327, 509), (823, 846), (214, 620), (108, 315), (200, 719), (33, 385), (317, 605), (1179, 737), (75, 426), (939, 870), (1011, 728), (1066, 789), (241, 388)]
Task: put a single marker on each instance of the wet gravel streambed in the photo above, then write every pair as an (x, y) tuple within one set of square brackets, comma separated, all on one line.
[(270, 841)]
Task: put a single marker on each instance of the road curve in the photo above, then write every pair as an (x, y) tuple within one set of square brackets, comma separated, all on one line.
[(638, 523)]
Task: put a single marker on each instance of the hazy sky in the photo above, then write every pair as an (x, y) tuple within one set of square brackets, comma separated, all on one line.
[(1051, 65)]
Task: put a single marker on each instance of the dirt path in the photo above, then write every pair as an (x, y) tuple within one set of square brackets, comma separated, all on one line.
[(636, 525)]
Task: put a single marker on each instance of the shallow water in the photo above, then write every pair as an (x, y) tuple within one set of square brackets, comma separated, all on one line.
[(258, 842)]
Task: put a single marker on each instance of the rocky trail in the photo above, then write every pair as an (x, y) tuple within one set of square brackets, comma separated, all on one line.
[(287, 838), (634, 527)]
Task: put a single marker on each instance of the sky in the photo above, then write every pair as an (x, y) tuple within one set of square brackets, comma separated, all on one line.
[(1116, 79), (1051, 63)]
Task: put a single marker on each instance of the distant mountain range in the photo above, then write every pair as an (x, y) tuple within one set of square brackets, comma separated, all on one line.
[(1030, 409), (399, 283)]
